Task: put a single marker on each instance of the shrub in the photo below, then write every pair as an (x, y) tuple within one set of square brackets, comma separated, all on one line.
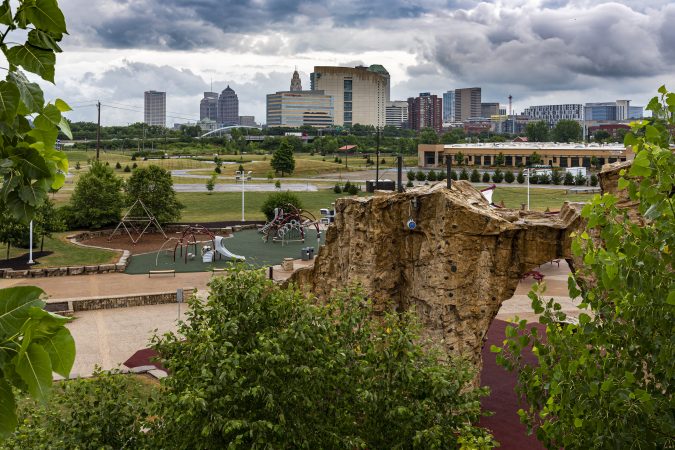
[(556, 177), (118, 165), (544, 178), (411, 175), (509, 177), (279, 369), (279, 200), (154, 186), (498, 176), (431, 176), (337, 189), (347, 186), (134, 166), (475, 176), (277, 184), (420, 176), (354, 189), (77, 166), (569, 179), (453, 175), (127, 168), (409, 184), (440, 176), (97, 199), (464, 175), (579, 179), (217, 170), (521, 177), (486, 177), (133, 157), (594, 180), (534, 178)]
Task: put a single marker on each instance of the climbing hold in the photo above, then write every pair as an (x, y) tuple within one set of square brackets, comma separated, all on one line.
[(411, 224)]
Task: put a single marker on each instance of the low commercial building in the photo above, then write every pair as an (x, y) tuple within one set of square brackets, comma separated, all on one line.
[(300, 108), (518, 154)]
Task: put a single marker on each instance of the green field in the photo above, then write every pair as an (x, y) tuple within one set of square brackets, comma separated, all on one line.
[(66, 254), (540, 199)]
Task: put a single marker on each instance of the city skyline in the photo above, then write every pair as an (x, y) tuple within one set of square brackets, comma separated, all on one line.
[(563, 52)]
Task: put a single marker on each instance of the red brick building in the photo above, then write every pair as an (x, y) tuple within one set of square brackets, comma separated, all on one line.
[(425, 111)]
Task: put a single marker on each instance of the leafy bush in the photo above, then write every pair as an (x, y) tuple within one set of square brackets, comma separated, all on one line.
[(337, 189), (464, 175), (509, 177), (486, 177), (154, 186), (279, 200), (453, 175), (594, 180), (218, 170), (409, 184), (569, 179), (354, 189), (498, 176), (521, 177), (118, 165), (579, 179), (127, 168), (475, 176), (544, 178), (97, 199), (431, 176), (411, 175), (534, 178), (420, 176), (556, 177), (287, 372), (441, 175), (106, 411)]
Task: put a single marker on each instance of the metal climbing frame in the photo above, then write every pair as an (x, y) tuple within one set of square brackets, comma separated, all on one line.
[(129, 221)]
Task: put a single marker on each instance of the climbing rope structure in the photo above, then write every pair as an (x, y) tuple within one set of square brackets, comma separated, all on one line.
[(137, 225), (289, 224)]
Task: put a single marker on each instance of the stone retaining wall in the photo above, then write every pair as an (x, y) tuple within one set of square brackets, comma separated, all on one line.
[(121, 264), (73, 305)]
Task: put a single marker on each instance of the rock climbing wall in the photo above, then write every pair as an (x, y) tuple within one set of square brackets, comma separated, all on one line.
[(461, 261)]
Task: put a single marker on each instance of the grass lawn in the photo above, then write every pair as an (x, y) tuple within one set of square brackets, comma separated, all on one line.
[(540, 199), (66, 254), (218, 206)]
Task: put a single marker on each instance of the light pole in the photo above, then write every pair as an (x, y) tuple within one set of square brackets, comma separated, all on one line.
[(244, 177), (529, 172), (377, 160), (30, 245)]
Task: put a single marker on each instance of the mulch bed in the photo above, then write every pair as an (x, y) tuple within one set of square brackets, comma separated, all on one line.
[(150, 242), (21, 262)]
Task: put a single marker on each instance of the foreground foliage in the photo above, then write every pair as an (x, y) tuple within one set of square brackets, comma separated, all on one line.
[(104, 412), (607, 382), (258, 366)]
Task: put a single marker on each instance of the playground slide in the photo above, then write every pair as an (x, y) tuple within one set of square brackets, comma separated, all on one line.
[(225, 252)]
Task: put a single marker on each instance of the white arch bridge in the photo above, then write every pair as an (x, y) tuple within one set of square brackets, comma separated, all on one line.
[(227, 130)]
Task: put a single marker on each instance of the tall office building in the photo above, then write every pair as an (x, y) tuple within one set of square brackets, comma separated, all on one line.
[(228, 107), (636, 112), (154, 108), (296, 84), (247, 121), (359, 94), (603, 111), (397, 114), (299, 108), (449, 106), (208, 106), (467, 103), (425, 111), (552, 114), (488, 110)]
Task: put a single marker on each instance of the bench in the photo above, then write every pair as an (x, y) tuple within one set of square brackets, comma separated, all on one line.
[(538, 276), (161, 272), (216, 269)]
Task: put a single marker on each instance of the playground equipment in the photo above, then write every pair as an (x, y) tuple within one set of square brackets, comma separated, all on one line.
[(289, 225), (139, 224), (188, 239), (487, 193)]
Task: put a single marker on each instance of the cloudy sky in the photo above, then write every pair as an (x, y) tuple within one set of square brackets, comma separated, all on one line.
[(539, 51)]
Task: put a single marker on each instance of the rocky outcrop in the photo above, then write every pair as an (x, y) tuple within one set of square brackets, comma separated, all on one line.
[(455, 268)]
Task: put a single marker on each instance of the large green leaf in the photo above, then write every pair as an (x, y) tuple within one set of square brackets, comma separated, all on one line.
[(35, 369), (64, 126), (9, 100), (6, 13), (62, 105), (46, 15), (52, 113), (43, 40), (15, 303), (8, 421), (30, 195), (48, 137), (61, 350), (19, 209), (31, 162), (34, 59), (31, 94)]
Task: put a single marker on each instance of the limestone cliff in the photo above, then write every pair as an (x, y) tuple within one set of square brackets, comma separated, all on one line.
[(462, 260)]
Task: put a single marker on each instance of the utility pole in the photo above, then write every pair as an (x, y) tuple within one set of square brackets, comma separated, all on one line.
[(98, 130)]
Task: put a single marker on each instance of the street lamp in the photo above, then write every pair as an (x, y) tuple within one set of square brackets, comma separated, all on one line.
[(529, 173), (244, 177)]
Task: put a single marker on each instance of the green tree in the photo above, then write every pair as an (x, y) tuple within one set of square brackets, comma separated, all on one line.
[(463, 174), (601, 135), (459, 158), (153, 185), (537, 131), (97, 199), (281, 200), (499, 159), (521, 177), (411, 174), (498, 176), (486, 177), (420, 176), (47, 221), (535, 159), (509, 177), (556, 177), (567, 131), (282, 159), (428, 136), (211, 183), (475, 176), (431, 176), (579, 179), (607, 382), (594, 180), (282, 371), (568, 180), (453, 175)]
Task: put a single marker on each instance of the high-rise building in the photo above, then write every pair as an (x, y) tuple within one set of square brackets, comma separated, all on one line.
[(228, 107), (636, 112), (449, 106), (467, 103), (552, 114), (296, 84), (208, 106), (247, 121), (489, 109), (397, 114), (359, 94), (299, 108), (609, 111), (425, 111), (622, 109), (154, 108)]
